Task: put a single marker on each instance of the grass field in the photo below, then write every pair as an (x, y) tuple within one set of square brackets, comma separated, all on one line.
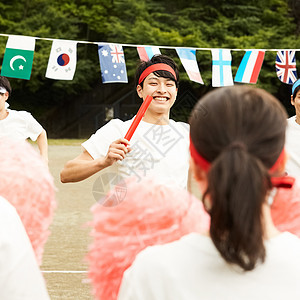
[(65, 142)]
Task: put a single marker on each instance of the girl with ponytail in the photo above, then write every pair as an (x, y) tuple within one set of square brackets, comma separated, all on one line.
[(237, 139)]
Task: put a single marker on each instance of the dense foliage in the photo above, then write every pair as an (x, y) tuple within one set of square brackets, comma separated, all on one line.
[(264, 24)]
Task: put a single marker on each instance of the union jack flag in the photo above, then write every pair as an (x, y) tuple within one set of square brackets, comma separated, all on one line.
[(117, 54), (286, 66)]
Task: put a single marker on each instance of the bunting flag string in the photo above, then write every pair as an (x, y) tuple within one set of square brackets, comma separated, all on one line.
[(286, 66), (18, 59), (146, 53), (189, 62), (112, 63), (250, 66), (62, 60), (221, 67)]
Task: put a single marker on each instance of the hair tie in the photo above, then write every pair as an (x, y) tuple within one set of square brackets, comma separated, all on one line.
[(237, 145)]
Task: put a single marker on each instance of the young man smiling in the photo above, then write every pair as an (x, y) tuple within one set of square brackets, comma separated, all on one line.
[(159, 145)]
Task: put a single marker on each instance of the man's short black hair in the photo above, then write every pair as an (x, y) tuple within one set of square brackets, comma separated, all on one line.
[(296, 91), (156, 59), (5, 84)]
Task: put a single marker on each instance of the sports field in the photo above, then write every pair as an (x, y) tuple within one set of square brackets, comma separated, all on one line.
[(66, 247), (63, 261)]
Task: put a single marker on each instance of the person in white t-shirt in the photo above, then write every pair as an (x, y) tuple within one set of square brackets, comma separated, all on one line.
[(238, 159), (20, 276), (293, 134), (20, 125), (159, 145)]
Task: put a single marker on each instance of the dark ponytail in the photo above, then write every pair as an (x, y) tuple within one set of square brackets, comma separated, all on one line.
[(238, 184), (241, 135)]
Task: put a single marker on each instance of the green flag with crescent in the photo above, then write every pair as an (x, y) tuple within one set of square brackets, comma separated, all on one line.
[(18, 57)]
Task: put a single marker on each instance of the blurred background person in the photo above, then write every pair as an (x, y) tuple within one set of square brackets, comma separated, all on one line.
[(20, 125), (293, 134)]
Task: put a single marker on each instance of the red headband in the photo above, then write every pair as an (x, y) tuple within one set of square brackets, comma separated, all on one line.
[(156, 67), (285, 181), (199, 160)]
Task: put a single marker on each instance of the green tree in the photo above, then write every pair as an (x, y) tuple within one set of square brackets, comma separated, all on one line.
[(265, 24)]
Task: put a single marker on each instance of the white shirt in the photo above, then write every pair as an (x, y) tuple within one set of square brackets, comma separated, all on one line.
[(20, 276), (292, 146), (20, 125), (157, 150), (192, 269)]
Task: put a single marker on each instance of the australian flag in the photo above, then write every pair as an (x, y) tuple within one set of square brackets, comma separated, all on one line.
[(112, 63), (286, 66)]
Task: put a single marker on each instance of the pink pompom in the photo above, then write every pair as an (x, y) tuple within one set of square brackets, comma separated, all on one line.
[(26, 183), (149, 214), (285, 209)]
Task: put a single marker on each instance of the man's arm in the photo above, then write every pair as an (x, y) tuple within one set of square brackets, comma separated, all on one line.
[(43, 145), (84, 166)]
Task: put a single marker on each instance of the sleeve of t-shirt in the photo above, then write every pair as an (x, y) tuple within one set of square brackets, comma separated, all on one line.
[(20, 276), (34, 128), (97, 145)]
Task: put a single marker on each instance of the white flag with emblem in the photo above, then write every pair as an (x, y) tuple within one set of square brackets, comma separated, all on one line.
[(62, 60)]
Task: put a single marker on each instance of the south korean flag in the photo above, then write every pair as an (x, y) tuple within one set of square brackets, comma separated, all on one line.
[(62, 60)]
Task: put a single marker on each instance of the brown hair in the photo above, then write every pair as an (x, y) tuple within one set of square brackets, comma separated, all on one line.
[(242, 134)]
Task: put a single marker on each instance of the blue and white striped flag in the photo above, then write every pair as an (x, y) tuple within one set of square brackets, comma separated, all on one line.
[(146, 53), (189, 62)]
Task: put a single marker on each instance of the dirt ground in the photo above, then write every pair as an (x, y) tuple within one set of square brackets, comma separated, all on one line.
[(66, 247), (63, 265)]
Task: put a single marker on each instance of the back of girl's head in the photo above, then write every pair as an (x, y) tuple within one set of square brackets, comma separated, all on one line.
[(158, 59), (241, 134)]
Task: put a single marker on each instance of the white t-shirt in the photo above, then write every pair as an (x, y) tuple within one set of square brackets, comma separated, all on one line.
[(20, 125), (157, 150), (292, 146), (20, 276), (192, 269)]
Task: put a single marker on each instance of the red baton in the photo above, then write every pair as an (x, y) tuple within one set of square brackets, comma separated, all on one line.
[(138, 118)]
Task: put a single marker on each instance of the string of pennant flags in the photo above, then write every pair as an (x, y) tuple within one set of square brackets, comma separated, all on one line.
[(19, 53)]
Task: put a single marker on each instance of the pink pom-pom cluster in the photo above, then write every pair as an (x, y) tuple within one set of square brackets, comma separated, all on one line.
[(150, 214), (26, 183), (285, 209)]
